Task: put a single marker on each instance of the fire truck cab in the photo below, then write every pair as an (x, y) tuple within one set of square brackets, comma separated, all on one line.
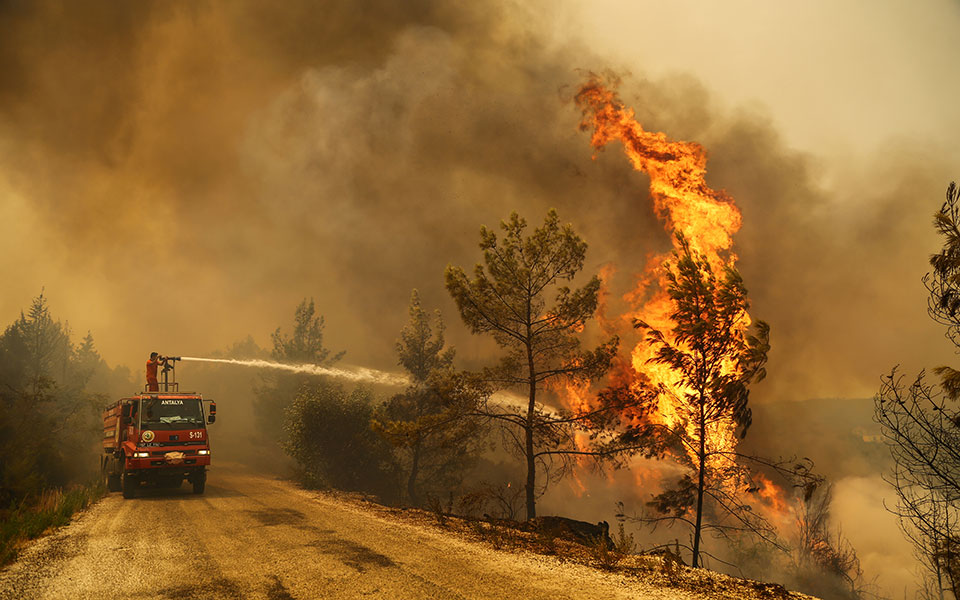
[(156, 438)]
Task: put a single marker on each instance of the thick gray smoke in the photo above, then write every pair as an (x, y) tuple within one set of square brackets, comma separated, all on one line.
[(181, 174), (239, 157)]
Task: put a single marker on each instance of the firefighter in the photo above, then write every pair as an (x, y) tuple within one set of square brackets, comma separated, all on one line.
[(155, 360)]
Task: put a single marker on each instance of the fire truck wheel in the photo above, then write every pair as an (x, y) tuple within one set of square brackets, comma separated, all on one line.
[(110, 479), (199, 483), (129, 485)]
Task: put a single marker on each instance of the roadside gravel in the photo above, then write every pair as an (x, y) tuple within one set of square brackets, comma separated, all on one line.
[(253, 537)]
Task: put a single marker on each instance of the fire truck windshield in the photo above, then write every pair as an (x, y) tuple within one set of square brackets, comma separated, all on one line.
[(172, 413)]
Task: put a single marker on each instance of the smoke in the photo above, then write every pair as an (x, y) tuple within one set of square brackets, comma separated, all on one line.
[(859, 507), (230, 156), (357, 374), (181, 174)]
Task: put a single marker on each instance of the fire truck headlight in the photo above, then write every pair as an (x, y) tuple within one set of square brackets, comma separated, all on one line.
[(141, 455), (203, 452)]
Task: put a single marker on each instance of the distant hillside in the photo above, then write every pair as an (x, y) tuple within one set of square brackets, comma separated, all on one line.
[(838, 434)]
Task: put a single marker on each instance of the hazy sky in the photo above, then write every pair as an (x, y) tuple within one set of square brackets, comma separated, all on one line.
[(177, 175), (835, 77)]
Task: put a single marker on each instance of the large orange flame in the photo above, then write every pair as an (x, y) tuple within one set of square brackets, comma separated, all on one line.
[(707, 218)]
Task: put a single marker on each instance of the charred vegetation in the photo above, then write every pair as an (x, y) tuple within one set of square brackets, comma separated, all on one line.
[(920, 423)]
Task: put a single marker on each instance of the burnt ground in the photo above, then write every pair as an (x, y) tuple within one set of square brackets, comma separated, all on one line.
[(252, 536)]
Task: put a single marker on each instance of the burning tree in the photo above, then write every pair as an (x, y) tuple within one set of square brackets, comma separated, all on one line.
[(508, 299), (921, 426), (433, 423), (824, 562), (712, 362), (697, 359)]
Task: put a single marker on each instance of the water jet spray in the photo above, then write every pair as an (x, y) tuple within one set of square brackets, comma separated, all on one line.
[(362, 374)]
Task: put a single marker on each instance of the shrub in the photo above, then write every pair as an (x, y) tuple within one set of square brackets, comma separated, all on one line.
[(328, 433)]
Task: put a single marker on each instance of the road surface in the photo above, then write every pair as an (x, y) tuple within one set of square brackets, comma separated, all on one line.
[(251, 536)]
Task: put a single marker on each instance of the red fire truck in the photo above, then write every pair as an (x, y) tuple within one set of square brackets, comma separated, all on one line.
[(156, 438)]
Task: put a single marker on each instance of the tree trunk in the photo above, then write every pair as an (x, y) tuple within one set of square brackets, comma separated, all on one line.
[(528, 430), (414, 470), (702, 459), (531, 459)]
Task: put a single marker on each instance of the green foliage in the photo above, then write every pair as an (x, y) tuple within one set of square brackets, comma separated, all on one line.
[(421, 347), (53, 508), (715, 362), (433, 423), (328, 433), (435, 430), (49, 420), (303, 346), (508, 299)]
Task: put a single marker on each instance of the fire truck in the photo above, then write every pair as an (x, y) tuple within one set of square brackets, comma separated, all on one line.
[(157, 437)]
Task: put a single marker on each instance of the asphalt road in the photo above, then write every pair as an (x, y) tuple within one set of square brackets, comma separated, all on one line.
[(251, 536)]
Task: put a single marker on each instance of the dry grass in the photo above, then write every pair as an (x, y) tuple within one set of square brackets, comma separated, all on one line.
[(53, 508)]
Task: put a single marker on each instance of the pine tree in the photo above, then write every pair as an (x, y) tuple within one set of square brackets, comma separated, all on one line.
[(508, 299), (715, 361), (304, 345), (45, 340), (433, 423), (49, 419)]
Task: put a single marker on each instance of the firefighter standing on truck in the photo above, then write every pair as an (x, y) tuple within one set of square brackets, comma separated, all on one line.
[(155, 360)]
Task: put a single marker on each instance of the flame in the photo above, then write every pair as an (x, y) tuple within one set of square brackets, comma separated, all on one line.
[(577, 485), (681, 196), (707, 219), (771, 494)]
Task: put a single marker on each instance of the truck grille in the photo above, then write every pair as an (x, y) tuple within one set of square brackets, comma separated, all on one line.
[(162, 452)]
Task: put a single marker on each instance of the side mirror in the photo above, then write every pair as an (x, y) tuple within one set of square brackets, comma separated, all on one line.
[(213, 412), (211, 418)]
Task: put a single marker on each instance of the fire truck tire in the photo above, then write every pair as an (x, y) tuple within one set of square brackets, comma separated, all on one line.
[(110, 479), (199, 483), (129, 485)]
